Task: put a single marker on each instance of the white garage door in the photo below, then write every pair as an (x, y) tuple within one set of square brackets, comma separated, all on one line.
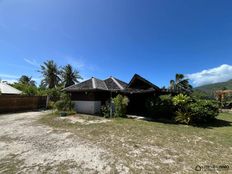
[(88, 107)]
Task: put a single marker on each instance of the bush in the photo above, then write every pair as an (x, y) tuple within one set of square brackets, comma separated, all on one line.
[(54, 94), (51, 105), (105, 111), (181, 100), (203, 111), (160, 107), (120, 103), (183, 117), (28, 90), (60, 105), (65, 103), (191, 111), (183, 113)]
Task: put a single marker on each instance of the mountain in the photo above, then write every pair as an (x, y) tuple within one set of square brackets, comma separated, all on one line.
[(211, 88)]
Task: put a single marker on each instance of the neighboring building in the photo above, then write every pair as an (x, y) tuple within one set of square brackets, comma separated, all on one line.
[(91, 94), (6, 89)]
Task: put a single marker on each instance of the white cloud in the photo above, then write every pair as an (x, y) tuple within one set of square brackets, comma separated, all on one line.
[(32, 62), (10, 81), (9, 76), (219, 74)]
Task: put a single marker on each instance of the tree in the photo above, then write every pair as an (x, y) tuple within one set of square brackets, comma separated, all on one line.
[(198, 94), (50, 74), (180, 84), (69, 75), (26, 85), (26, 80)]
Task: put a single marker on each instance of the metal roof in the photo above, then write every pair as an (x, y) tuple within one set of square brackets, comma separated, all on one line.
[(7, 89)]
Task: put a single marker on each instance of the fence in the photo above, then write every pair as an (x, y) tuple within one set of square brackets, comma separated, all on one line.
[(16, 103)]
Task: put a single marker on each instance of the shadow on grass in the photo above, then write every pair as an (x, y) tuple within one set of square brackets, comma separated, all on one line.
[(215, 123), (210, 125)]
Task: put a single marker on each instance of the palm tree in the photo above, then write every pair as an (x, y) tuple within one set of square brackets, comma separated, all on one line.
[(69, 75), (50, 74), (26, 80), (180, 84)]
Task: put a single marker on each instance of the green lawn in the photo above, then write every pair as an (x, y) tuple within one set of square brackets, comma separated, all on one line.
[(152, 147)]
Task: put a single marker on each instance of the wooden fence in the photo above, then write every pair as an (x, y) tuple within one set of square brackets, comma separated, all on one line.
[(16, 103)]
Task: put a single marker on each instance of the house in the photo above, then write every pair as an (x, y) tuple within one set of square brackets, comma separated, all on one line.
[(6, 89), (91, 94)]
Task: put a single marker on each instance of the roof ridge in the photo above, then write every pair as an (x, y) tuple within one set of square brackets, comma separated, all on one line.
[(93, 82), (116, 82), (143, 79), (105, 84)]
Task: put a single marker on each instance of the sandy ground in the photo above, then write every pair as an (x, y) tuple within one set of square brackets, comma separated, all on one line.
[(28, 147), (74, 119)]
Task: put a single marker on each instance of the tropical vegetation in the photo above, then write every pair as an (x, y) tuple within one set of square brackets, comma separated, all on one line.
[(180, 85), (50, 73), (183, 109), (55, 78), (69, 75), (26, 85), (115, 108)]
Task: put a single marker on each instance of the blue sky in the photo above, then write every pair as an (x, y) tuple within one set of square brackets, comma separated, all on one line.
[(154, 38)]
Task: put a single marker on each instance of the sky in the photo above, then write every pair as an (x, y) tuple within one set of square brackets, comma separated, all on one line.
[(153, 38)]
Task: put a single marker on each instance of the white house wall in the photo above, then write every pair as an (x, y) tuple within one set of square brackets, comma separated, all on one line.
[(88, 107)]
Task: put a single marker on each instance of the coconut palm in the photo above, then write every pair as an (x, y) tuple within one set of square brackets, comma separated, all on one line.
[(50, 74), (180, 84), (69, 75), (26, 80)]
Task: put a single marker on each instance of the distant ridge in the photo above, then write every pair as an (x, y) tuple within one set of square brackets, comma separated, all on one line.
[(211, 88)]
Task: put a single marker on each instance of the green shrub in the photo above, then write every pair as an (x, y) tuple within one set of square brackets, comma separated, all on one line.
[(105, 111), (120, 104), (54, 94), (51, 105), (183, 109), (191, 111), (60, 105), (160, 107), (65, 103), (183, 117), (181, 100), (183, 112), (203, 111), (28, 90)]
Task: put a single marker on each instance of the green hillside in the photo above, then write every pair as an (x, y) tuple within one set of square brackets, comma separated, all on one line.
[(211, 88)]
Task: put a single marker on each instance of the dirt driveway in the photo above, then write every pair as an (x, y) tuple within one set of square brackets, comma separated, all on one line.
[(28, 147)]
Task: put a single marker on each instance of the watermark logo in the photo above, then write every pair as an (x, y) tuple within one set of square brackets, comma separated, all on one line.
[(198, 168), (212, 168)]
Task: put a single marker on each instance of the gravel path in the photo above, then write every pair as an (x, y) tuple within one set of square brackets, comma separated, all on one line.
[(28, 147)]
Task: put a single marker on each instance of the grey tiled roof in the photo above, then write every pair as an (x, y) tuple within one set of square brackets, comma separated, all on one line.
[(100, 84), (123, 84), (94, 83), (113, 84)]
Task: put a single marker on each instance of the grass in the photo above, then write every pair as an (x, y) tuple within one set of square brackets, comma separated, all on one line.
[(10, 164), (153, 147)]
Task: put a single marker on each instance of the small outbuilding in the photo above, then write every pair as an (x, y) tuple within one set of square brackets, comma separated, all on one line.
[(6, 89)]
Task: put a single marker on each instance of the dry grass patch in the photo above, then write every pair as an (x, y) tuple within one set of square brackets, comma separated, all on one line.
[(84, 119), (150, 147)]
